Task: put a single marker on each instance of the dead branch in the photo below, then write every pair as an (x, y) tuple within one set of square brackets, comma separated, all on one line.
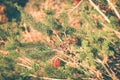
[(113, 7), (105, 17)]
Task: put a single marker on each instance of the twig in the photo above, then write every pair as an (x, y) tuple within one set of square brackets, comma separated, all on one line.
[(45, 78), (106, 67), (113, 7), (101, 62), (105, 17), (112, 73), (25, 66), (59, 52), (62, 59), (58, 37), (108, 28), (75, 7)]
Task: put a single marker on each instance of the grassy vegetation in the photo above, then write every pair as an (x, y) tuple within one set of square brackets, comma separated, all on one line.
[(66, 40)]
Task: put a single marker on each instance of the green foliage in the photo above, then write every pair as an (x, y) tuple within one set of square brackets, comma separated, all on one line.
[(3, 34), (37, 51), (53, 23), (99, 26), (64, 18), (70, 30), (62, 72), (49, 12), (8, 65), (79, 42), (101, 2), (113, 21), (11, 11), (92, 41), (49, 32), (95, 52)]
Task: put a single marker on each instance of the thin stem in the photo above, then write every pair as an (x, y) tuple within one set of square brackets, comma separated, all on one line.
[(108, 28), (105, 17), (75, 7), (45, 78), (25, 66), (58, 37), (113, 7), (61, 53)]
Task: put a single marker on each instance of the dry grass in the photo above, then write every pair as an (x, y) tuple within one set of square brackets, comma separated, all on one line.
[(57, 6), (3, 18)]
